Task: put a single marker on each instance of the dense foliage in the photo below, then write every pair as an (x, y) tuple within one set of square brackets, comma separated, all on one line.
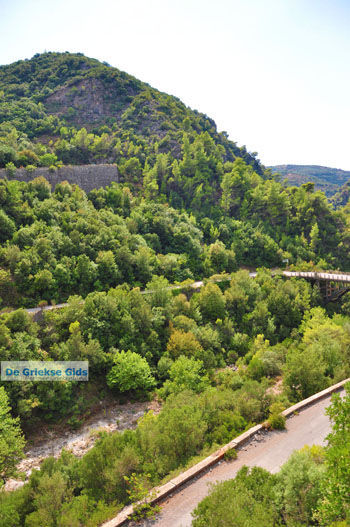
[(11, 439), (190, 204), (341, 197), (63, 242), (244, 325), (312, 488), (184, 342)]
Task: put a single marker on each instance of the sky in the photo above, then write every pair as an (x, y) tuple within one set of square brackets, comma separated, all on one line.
[(274, 74)]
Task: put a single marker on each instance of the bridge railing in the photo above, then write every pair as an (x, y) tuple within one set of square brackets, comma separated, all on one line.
[(334, 276)]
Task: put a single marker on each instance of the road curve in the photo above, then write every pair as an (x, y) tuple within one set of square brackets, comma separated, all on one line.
[(269, 450), (333, 277)]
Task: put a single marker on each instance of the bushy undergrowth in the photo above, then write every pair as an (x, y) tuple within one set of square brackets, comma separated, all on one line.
[(312, 487)]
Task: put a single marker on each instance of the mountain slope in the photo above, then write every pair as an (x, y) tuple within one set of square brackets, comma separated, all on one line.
[(68, 109), (341, 197), (54, 90), (326, 179)]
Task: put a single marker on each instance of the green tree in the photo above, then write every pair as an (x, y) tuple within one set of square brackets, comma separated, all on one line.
[(183, 343), (159, 293), (241, 502), (14, 506), (211, 302), (47, 160), (304, 373), (297, 489), (11, 439), (44, 283), (85, 273), (335, 501), (172, 437), (314, 237), (7, 226), (107, 269), (131, 170), (52, 492), (150, 185), (185, 374), (131, 372)]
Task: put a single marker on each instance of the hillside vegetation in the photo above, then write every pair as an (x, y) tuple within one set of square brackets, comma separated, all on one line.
[(326, 179), (190, 204), (54, 95), (341, 197), (181, 345), (55, 244), (185, 191), (310, 489)]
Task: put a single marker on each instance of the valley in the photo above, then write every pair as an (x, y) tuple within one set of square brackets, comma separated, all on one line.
[(159, 240)]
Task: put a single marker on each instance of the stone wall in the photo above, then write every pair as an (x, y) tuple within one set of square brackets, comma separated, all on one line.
[(87, 177)]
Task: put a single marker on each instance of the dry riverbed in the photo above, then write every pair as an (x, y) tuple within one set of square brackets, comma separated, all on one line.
[(50, 442)]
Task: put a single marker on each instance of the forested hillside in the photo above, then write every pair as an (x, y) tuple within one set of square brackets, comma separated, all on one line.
[(49, 103), (341, 197), (55, 244), (190, 204), (326, 179)]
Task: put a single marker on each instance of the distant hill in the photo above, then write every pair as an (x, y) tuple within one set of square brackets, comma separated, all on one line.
[(329, 180), (160, 164), (342, 196)]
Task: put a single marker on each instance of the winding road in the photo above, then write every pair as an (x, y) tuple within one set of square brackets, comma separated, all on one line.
[(267, 450), (308, 275)]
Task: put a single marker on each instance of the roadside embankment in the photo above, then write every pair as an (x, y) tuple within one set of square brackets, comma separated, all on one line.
[(279, 440)]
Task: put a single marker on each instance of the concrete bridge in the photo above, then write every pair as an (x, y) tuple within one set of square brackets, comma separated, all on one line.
[(333, 285)]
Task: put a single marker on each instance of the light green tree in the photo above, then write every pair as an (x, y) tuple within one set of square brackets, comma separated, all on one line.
[(185, 374), (211, 302), (304, 373), (335, 502), (131, 372), (150, 185), (11, 439)]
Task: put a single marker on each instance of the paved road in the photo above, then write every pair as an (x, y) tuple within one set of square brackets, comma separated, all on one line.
[(269, 451), (334, 277)]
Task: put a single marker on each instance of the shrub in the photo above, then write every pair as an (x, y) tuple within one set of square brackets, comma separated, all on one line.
[(139, 493), (185, 374), (131, 372), (245, 501), (276, 420), (230, 455), (30, 168), (10, 169)]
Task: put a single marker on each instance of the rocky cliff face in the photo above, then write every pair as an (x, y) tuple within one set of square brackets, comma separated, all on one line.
[(87, 102)]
